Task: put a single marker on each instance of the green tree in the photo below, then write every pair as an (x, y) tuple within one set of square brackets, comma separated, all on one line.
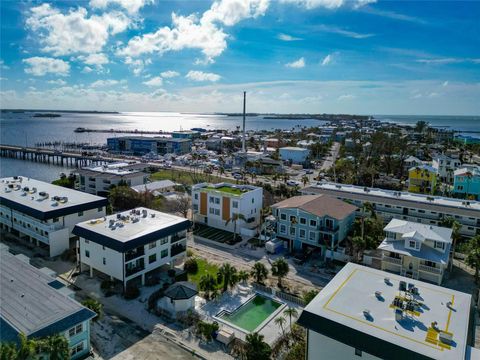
[(207, 283), (305, 180), (256, 348), (27, 349), (450, 222), (473, 255), (280, 321), (309, 296), (243, 276), (235, 218), (8, 351), (291, 312), (259, 272), (95, 306), (56, 346), (358, 244), (280, 269), (124, 198), (228, 274)]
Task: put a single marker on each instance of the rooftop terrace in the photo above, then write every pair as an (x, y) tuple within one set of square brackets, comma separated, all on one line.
[(364, 300), (226, 188)]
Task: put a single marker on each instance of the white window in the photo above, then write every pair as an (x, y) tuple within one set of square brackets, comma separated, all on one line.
[(292, 231), (152, 245), (164, 241), (217, 211), (235, 204), (196, 196), (302, 233), (439, 245), (104, 261), (283, 216), (80, 213), (217, 201), (313, 223), (312, 236), (211, 210), (293, 218), (211, 200), (87, 253), (303, 221), (283, 229), (75, 330), (195, 207), (77, 348)]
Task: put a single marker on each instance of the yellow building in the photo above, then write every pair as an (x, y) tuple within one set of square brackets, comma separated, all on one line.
[(422, 179)]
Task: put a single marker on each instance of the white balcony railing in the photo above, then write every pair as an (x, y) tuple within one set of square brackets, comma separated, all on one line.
[(429, 269), (392, 260)]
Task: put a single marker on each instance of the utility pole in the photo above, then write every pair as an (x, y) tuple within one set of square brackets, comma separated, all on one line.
[(244, 150)]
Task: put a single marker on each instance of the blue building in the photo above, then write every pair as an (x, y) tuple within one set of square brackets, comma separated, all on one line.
[(296, 155), (466, 182), (37, 305), (139, 145), (313, 221), (185, 134)]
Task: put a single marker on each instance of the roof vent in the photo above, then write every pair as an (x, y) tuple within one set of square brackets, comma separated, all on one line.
[(152, 215), (144, 213), (338, 186), (119, 216), (63, 199), (135, 220)]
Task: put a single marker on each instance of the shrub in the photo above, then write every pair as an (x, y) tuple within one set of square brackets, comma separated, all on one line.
[(206, 329), (190, 252), (131, 292), (191, 266)]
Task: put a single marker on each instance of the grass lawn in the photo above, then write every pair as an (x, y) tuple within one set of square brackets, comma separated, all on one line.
[(227, 189), (204, 267), (187, 177)]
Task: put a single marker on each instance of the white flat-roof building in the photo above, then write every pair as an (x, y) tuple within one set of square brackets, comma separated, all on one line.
[(99, 179), (416, 250), (44, 213), (445, 167), (215, 204), (406, 206), (133, 245), (369, 313), (156, 187)]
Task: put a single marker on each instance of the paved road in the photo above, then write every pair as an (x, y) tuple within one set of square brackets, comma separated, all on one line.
[(330, 160)]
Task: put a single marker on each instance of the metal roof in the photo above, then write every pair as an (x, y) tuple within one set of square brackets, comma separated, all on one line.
[(30, 305)]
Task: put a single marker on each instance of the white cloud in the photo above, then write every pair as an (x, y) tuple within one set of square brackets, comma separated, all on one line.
[(137, 65), (40, 66), (297, 64), (57, 82), (286, 37), (87, 69), (106, 83), (3, 66), (74, 32), (343, 32), (329, 4), (169, 74), (202, 76), (96, 59), (155, 81), (327, 60), (446, 61), (132, 6), (191, 32), (445, 84), (346, 97)]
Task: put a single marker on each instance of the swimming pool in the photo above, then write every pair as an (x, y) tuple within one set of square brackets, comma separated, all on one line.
[(251, 314)]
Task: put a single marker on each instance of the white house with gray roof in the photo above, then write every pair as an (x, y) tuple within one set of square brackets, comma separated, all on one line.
[(132, 246), (416, 250), (32, 303), (45, 214)]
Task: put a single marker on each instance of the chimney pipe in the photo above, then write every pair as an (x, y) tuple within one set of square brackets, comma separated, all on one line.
[(244, 109)]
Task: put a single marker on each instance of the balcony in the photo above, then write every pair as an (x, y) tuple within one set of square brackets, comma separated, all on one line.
[(392, 260), (178, 237), (134, 268), (430, 269), (329, 229), (177, 249), (133, 254)]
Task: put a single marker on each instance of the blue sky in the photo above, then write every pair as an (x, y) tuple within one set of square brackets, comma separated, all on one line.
[(335, 56)]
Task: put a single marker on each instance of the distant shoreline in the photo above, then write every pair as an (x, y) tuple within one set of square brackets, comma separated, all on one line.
[(21, 111)]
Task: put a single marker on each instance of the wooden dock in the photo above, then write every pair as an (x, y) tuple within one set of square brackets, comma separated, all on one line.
[(63, 158)]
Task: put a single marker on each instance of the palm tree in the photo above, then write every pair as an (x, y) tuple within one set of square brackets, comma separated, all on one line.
[(305, 180), (27, 349), (56, 346), (235, 218), (259, 272), (291, 312), (228, 274), (280, 269), (95, 306), (8, 351), (455, 226), (243, 276), (208, 284), (256, 348), (280, 321), (473, 255), (358, 244)]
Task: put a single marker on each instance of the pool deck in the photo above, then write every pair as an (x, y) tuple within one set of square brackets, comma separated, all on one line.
[(230, 301)]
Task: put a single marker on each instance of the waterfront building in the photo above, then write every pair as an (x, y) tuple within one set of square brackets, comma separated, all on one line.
[(295, 155), (99, 179), (132, 246), (372, 314), (422, 179), (467, 182), (313, 221), (185, 134), (140, 145), (216, 204), (419, 208), (416, 250), (45, 214), (34, 304), (445, 167)]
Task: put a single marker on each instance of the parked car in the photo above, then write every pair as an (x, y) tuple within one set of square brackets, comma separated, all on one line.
[(293, 183), (237, 176), (309, 172)]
